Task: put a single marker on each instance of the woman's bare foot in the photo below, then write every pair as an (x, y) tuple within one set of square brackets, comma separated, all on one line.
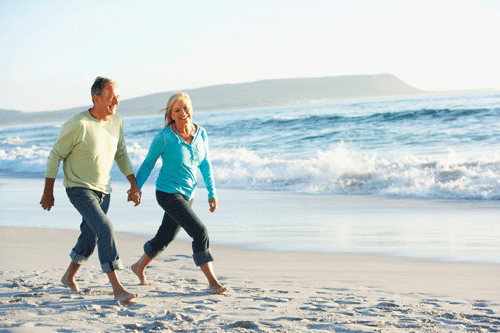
[(70, 283), (136, 268), (217, 289), (125, 297)]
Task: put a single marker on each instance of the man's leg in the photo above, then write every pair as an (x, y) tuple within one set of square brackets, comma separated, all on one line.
[(69, 277), (93, 206)]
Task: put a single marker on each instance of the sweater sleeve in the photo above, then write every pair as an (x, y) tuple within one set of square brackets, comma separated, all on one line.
[(155, 151), (121, 156), (207, 171), (68, 138)]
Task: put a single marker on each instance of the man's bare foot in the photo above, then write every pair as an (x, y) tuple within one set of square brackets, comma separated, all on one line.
[(70, 283), (125, 297), (217, 289), (140, 274)]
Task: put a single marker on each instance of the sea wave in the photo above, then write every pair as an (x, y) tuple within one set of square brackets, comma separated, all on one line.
[(340, 170), (413, 115)]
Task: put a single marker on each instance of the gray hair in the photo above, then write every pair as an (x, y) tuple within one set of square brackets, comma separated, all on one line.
[(99, 84), (171, 101)]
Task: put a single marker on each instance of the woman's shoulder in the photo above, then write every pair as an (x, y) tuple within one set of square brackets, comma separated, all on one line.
[(165, 132), (201, 130), (163, 135)]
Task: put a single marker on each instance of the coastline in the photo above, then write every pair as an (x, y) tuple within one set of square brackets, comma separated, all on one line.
[(269, 290), (438, 230)]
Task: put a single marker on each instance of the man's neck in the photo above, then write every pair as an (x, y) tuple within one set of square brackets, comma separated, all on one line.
[(102, 116)]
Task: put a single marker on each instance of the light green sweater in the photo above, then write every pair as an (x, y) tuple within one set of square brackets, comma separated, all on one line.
[(88, 147)]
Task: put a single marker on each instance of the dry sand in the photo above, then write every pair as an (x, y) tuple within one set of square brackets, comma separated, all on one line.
[(269, 291)]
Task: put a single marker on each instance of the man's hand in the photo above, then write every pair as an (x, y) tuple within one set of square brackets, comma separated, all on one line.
[(47, 201), (213, 204), (134, 194)]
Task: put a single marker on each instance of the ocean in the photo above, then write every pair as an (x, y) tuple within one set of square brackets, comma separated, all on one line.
[(426, 148)]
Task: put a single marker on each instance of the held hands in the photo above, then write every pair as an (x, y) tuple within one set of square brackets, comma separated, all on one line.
[(134, 194), (213, 202)]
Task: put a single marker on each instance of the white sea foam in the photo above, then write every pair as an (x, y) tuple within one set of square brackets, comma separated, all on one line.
[(336, 171), (14, 141), (341, 171)]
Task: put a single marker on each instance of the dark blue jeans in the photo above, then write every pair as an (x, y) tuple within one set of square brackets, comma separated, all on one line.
[(96, 228), (179, 214)]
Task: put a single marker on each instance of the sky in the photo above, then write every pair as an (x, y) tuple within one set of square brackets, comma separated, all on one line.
[(51, 51)]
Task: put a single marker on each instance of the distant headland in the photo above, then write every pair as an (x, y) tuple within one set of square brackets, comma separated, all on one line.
[(265, 93)]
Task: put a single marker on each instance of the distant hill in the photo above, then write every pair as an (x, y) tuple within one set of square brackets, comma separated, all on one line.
[(280, 92)]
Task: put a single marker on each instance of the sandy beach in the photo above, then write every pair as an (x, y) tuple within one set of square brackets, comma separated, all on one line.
[(269, 291)]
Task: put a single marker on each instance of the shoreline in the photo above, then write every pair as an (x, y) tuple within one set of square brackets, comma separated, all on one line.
[(455, 231)]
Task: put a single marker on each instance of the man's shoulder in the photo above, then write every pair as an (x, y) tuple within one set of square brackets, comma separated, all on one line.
[(75, 120), (116, 117), (78, 116), (115, 120)]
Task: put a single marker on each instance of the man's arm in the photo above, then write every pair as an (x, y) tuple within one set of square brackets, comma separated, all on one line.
[(48, 194), (134, 194)]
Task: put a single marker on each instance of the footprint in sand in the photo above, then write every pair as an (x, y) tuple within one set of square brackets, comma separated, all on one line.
[(244, 324)]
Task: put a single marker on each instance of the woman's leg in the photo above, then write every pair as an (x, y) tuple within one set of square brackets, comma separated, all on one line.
[(180, 210), (164, 236), (214, 286), (139, 267)]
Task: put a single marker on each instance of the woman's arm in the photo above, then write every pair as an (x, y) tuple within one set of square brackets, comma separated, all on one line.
[(207, 170), (155, 151)]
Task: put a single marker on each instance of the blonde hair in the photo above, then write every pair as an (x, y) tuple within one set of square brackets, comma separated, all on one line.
[(171, 101)]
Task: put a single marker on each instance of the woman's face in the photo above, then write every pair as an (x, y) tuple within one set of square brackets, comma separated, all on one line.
[(181, 112)]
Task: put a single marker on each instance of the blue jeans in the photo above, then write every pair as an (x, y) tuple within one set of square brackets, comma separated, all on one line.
[(96, 229), (179, 214)]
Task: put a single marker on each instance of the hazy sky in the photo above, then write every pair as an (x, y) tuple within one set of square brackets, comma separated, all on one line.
[(51, 51)]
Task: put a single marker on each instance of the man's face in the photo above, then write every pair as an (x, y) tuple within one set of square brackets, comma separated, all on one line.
[(109, 99)]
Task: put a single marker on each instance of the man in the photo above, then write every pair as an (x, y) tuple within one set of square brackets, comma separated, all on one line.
[(88, 144)]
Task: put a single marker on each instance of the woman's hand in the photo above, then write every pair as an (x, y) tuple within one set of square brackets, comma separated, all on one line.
[(213, 204), (134, 194)]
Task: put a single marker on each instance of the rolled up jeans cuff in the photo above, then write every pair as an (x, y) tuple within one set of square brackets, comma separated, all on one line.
[(202, 257), (78, 258), (112, 266), (148, 249), (106, 267)]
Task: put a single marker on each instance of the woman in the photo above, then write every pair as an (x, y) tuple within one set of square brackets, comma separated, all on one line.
[(183, 147)]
